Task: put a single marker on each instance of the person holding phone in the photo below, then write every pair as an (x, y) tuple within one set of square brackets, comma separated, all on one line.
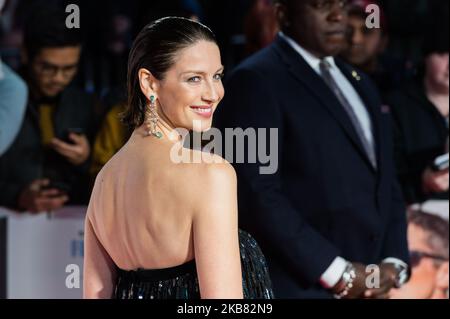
[(47, 165), (420, 113), (74, 146)]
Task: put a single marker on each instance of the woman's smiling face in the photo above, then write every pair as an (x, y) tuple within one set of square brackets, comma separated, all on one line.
[(192, 88)]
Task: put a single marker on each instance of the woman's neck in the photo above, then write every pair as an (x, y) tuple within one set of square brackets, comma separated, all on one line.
[(439, 98), (169, 131)]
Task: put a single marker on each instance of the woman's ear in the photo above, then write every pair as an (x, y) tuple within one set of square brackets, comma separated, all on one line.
[(149, 84)]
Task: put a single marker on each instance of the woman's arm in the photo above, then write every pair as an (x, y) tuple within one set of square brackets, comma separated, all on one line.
[(216, 238), (99, 269)]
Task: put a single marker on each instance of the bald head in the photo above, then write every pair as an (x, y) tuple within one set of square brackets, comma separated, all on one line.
[(319, 26), (284, 9)]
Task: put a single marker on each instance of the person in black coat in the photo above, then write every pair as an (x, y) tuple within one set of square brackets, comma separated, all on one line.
[(334, 204), (420, 112), (48, 163)]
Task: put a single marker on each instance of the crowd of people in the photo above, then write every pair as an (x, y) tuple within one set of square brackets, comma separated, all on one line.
[(63, 91)]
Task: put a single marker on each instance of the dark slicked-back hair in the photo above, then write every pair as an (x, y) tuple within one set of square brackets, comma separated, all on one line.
[(46, 28)]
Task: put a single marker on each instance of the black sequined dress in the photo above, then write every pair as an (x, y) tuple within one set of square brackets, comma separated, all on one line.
[(182, 283)]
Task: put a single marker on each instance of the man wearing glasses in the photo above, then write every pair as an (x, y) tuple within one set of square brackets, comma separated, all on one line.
[(47, 165), (428, 245)]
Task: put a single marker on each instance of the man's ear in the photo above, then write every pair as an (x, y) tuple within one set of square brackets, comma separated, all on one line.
[(442, 277), (148, 83), (282, 16)]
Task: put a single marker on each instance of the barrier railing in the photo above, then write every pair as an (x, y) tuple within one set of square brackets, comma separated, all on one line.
[(41, 256)]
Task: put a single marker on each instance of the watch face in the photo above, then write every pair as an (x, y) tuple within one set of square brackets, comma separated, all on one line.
[(402, 278)]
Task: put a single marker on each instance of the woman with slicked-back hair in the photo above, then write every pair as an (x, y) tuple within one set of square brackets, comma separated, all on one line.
[(157, 228)]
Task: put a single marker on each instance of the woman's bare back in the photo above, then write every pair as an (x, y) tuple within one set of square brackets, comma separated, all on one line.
[(148, 212), (140, 208)]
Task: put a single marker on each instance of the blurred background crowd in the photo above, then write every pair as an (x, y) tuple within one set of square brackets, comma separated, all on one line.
[(62, 91)]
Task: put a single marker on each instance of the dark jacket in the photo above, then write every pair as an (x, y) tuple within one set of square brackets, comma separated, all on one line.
[(326, 200), (28, 160), (421, 135)]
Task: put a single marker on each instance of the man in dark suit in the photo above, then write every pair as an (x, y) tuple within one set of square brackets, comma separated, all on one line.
[(333, 206)]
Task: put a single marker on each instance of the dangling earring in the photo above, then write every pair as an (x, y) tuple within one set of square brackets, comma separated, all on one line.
[(152, 119)]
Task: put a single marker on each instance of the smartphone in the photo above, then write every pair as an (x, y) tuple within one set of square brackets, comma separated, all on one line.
[(61, 186), (73, 130), (440, 163)]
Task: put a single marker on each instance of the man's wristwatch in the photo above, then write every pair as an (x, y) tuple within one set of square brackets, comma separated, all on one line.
[(346, 283), (403, 271)]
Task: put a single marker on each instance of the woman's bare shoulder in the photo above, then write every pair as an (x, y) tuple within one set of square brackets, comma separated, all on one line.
[(212, 169), (208, 181)]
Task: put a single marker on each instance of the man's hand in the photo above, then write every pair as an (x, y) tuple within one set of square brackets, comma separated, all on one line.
[(388, 274), (359, 283), (76, 153), (35, 199), (435, 182)]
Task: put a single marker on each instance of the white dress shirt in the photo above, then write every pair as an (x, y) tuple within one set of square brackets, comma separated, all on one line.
[(344, 84), (335, 271)]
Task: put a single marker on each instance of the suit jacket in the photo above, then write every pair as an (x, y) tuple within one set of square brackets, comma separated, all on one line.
[(326, 199)]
